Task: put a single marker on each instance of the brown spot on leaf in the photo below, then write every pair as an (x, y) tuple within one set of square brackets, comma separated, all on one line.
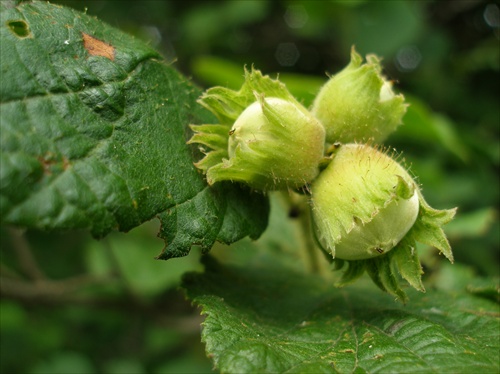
[(97, 47), (51, 164), (348, 351), (46, 163)]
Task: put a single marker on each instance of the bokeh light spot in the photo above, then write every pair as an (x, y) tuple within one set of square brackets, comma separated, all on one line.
[(287, 54), (408, 58), (492, 15), (296, 16)]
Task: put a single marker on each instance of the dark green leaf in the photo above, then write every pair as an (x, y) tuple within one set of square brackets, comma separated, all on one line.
[(264, 317), (94, 128)]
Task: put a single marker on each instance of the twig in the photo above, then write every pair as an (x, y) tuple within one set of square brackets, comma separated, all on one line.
[(27, 261), (312, 251), (46, 289), (65, 293), (300, 206), (8, 272), (40, 291)]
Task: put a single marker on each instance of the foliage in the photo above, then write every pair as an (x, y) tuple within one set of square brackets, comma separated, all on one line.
[(266, 318), (92, 138), (74, 304)]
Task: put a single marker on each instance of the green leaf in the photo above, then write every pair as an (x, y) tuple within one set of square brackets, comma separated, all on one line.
[(428, 229), (460, 277), (224, 211), (94, 127), (423, 125), (472, 224), (264, 317)]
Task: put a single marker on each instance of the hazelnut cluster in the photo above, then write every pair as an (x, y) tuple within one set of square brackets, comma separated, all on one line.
[(366, 208)]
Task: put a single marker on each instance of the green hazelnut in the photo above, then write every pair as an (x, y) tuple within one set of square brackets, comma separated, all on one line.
[(358, 104), (363, 203), (367, 211), (382, 233), (266, 138)]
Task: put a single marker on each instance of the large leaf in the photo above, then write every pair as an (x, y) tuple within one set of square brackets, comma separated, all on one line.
[(267, 312), (268, 318), (93, 135)]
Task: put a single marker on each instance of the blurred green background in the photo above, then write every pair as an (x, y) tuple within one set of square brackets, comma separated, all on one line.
[(110, 308)]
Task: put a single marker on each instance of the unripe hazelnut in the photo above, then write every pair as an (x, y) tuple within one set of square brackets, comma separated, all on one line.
[(358, 103), (266, 138), (363, 203)]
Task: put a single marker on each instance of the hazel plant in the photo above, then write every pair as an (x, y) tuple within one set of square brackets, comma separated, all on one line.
[(367, 211)]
